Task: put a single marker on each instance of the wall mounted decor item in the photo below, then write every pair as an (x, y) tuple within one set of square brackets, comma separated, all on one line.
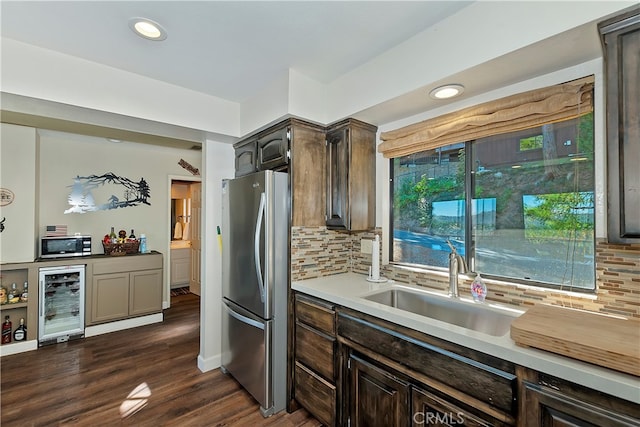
[(6, 196), (188, 166), (86, 190)]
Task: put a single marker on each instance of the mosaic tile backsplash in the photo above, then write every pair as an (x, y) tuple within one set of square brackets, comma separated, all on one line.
[(318, 252)]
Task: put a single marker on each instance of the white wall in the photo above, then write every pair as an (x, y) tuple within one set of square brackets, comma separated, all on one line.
[(44, 74), (219, 165), (477, 34), (18, 175), (65, 156)]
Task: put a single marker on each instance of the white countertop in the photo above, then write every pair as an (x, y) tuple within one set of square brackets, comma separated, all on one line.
[(347, 290)]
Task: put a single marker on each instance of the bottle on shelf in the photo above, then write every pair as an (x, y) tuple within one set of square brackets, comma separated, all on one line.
[(132, 236), (6, 330), (13, 296), (24, 297), (143, 244), (112, 236), (20, 334)]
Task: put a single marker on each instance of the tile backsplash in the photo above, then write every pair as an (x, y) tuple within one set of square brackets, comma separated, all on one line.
[(318, 251)]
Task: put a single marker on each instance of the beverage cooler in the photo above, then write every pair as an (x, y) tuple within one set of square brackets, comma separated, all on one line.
[(61, 305)]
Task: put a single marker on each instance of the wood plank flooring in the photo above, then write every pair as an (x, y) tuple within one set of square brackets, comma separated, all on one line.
[(84, 382)]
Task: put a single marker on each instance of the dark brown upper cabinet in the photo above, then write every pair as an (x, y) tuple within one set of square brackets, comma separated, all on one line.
[(297, 147), (621, 45), (350, 173), (273, 150), (245, 155)]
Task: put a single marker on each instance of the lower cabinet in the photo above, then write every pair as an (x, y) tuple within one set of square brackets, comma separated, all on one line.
[(377, 397), (550, 402), (125, 288), (355, 370), (418, 379), (315, 371), (180, 267)]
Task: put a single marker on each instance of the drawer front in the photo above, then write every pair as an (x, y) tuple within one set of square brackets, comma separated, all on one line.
[(315, 315), (476, 379), (316, 351), (315, 394), (127, 263)]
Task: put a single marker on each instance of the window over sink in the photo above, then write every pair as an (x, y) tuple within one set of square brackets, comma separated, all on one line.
[(518, 205)]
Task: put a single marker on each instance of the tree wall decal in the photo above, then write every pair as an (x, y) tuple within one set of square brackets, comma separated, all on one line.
[(81, 199)]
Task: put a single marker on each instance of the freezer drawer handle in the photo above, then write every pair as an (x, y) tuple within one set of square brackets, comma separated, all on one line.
[(256, 243), (245, 319)]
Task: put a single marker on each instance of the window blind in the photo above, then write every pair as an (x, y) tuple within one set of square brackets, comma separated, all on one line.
[(513, 113)]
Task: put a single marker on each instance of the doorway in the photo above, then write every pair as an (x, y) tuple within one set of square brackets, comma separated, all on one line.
[(184, 229)]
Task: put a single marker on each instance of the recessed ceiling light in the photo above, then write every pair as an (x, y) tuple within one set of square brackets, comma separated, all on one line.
[(147, 29), (446, 91)]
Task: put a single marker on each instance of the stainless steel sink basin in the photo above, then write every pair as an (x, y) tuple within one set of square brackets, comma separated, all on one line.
[(467, 314)]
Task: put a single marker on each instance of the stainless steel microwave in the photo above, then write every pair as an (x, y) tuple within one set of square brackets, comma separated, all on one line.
[(65, 246)]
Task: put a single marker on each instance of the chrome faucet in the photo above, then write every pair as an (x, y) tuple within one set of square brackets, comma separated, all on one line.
[(456, 265)]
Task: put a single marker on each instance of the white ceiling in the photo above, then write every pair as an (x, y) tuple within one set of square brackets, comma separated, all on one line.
[(229, 49)]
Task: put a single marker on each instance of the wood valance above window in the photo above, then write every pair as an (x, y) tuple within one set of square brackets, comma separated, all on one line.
[(513, 113)]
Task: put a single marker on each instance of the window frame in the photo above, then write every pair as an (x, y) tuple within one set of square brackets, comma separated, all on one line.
[(469, 243)]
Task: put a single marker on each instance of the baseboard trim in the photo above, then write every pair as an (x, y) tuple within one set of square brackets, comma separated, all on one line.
[(209, 364), (119, 325), (18, 347)]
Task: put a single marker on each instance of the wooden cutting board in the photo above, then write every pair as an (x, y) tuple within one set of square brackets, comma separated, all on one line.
[(603, 340)]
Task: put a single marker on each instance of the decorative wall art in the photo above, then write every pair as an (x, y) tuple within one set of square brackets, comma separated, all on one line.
[(188, 166), (6, 196), (86, 190)]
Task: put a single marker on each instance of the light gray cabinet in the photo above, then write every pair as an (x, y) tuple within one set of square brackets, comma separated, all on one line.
[(180, 267), (124, 287)]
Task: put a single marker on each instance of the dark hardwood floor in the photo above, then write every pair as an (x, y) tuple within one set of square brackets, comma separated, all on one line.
[(84, 382)]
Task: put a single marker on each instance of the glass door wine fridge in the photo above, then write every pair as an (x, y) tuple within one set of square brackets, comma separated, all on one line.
[(61, 310)]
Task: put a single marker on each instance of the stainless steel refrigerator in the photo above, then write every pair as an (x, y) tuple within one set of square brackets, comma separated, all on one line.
[(255, 259)]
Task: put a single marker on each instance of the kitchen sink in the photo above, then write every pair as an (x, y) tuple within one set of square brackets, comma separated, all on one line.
[(478, 317)]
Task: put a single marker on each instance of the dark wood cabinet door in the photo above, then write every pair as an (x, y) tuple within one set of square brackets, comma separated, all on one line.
[(431, 410), (621, 42), (245, 155), (351, 180), (337, 178), (273, 150), (307, 172), (546, 407), (377, 398)]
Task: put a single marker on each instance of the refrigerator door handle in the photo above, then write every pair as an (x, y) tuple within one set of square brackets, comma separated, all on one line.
[(256, 244), (244, 319)]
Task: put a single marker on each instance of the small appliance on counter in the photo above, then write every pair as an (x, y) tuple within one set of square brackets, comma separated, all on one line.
[(61, 304), (65, 246)]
